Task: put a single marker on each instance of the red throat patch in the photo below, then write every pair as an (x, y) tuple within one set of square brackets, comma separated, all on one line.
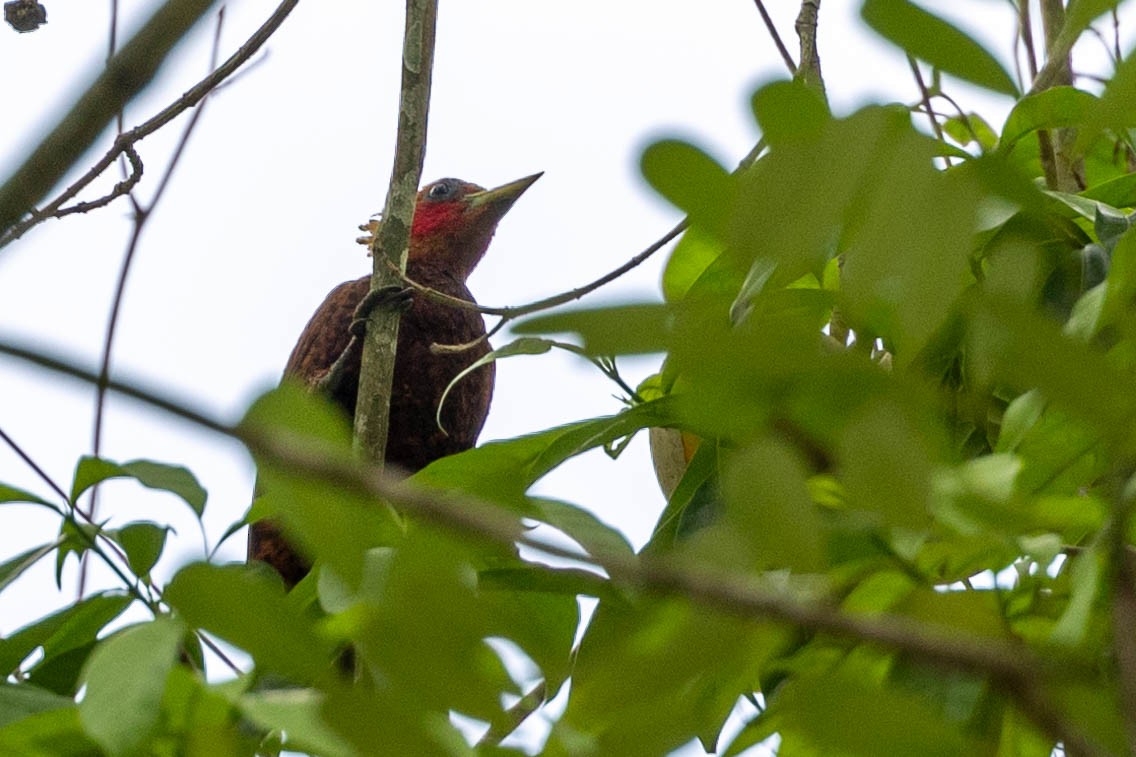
[(436, 218)]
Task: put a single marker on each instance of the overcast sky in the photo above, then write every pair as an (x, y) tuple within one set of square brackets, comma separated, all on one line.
[(260, 219)]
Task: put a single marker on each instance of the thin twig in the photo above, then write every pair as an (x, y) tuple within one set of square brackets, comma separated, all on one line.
[(190, 98), (20, 453), (141, 216), (123, 187), (925, 95), (1025, 32), (785, 56), (125, 75), (514, 716), (1013, 667)]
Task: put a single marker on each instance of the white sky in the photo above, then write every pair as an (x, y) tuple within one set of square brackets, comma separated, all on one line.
[(261, 216)]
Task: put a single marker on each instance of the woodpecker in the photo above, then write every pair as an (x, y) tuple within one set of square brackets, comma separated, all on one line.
[(453, 224)]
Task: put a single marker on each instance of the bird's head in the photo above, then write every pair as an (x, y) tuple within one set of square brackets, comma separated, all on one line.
[(454, 221)]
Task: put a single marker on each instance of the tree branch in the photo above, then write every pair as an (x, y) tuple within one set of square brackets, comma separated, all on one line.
[(372, 409), (809, 70), (125, 75), (13, 231), (785, 56)]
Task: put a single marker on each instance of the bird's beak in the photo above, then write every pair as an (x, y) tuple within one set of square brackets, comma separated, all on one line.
[(498, 201)]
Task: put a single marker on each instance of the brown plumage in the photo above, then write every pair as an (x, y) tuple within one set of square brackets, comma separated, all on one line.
[(453, 224)]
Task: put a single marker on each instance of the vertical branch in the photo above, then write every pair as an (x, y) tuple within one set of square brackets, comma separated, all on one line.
[(1061, 170), (809, 69), (372, 410)]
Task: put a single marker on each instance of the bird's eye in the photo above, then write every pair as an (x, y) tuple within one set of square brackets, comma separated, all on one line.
[(441, 191)]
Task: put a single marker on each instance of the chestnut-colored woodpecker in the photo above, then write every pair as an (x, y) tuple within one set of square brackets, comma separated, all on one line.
[(453, 223)]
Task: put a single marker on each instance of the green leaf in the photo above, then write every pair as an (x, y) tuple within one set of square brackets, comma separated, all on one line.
[(51, 733), (325, 521), (619, 330), (1054, 108), (18, 701), (789, 112), (939, 43), (143, 543), (694, 663), (1115, 108), (171, 478), (969, 128), (847, 712), (247, 607), (693, 254), (768, 504), (887, 465), (527, 345), (503, 471), (12, 494), (74, 628), (583, 527), (296, 712), (1081, 13), (125, 679), (12, 569), (691, 180)]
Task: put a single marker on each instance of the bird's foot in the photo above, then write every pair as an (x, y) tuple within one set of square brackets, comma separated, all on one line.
[(390, 297), (368, 239)]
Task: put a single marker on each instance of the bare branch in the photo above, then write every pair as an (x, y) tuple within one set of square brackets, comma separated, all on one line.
[(372, 409), (809, 70), (190, 98), (141, 216), (125, 75), (785, 56), (123, 187)]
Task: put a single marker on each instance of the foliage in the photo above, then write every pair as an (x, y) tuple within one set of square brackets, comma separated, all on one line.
[(906, 529)]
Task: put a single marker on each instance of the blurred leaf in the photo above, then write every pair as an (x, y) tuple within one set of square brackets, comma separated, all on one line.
[(845, 712), (247, 607), (74, 628), (12, 494), (768, 504), (297, 712), (143, 543), (1054, 108), (125, 679), (583, 527), (790, 111), (51, 733), (1121, 288), (695, 502), (1114, 110), (937, 42), (171, 478), (12, 569), (971, 128), (693, 254), (887, 465), (330, 522), (1086, 572), (1081, 13), (18, 701), (694, 663), (502, 471), (620, 330), (691, 180)]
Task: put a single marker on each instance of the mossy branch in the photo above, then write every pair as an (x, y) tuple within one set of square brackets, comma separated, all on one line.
[(372, 410)]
